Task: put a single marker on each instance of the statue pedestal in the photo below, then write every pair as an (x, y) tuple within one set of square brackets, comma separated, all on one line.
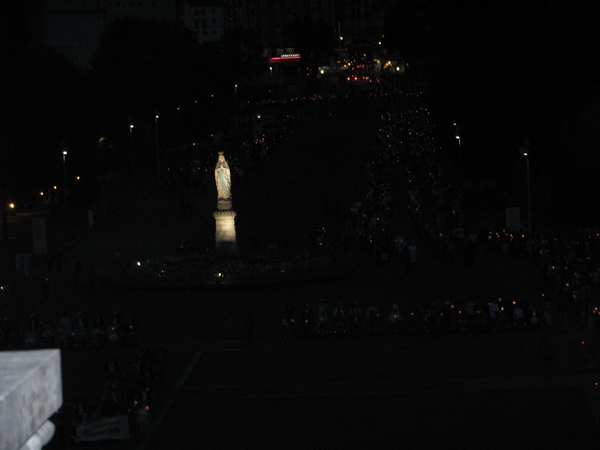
[(225, 241), (224, 205)]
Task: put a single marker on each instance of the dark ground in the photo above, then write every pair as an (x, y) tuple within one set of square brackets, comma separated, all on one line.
[(469, 391)]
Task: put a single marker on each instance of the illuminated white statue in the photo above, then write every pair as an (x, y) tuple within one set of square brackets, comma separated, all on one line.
[(223, 180)]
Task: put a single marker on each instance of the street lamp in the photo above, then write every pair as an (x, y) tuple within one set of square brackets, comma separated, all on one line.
[(271, 69), (131, 150), (157, 150), (457, 136), (101, 147), (237, 120), (64, 159), (64, 153), (526, 155)]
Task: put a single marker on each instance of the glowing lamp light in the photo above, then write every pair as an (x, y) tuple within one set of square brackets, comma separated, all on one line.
[(139, 263), (11, 205)]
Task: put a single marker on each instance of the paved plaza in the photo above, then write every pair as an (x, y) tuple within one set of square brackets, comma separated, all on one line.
[(465, 390)]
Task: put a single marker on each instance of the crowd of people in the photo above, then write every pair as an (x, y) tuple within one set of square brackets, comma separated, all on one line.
[(256, 136), (72, 331), (569, 261), (130, 389), (478, 315), (570, 265)]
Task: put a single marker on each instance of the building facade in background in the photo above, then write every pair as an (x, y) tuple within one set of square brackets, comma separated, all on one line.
[(74, 27)]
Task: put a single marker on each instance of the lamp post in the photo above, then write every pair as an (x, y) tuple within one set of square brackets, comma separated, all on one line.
[(271, 69), (457, 136), (157, 148), (236, 110), (64, 159), (131, 151), (526, 155), (101, 143)]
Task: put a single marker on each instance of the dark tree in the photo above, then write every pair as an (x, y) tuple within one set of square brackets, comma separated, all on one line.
[(408, 28), (44, 102), (505, 72), (142, 66), (313, 41)]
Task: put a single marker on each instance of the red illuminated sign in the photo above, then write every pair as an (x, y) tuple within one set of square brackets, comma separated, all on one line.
[(285, 58)]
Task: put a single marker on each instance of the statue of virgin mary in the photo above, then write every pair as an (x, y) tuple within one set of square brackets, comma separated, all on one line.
[(223, 179)]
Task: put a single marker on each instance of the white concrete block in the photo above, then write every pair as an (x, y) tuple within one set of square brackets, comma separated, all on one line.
[(30, 392)]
